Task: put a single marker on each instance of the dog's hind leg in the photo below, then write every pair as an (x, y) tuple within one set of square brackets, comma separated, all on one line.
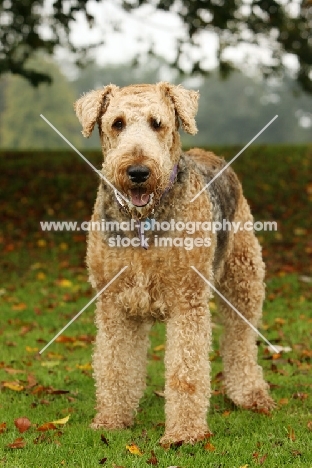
[(242, 284), (119, 363)]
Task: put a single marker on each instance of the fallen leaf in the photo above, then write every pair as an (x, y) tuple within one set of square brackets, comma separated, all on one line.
[(65, 339), (86, 366), (134, 449), (50, 363), (41, 276), (300, 396), (31, 350), (41, 242), (32, 381), (280, 321), (20, 306), (210, 447), (283, 401), (104, 439), (61, 421), (11, 371), (46, 427), (2, 427), (291, 434), (22, 424), (102, 461), (153, 460), (296, 453), (65, 283), (13, 386), (309, 425), (17, 444), (159, 347), (262, 459)]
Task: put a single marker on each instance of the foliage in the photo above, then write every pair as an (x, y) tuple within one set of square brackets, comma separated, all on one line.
[(260, 23), (21, 33), (230, 112), (45, 284), (21, 126)]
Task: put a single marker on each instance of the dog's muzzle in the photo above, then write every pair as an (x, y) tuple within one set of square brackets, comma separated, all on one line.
[(139, 174)]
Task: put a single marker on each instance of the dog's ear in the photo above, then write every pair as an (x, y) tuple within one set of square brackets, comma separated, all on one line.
[(186, 104), (91, 106)]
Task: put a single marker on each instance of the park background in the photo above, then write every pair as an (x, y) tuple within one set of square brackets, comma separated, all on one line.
[(44, 279)]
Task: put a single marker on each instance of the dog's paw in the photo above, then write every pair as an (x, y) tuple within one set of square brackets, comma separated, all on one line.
[(259, 400), (178, 438), (106, 423)]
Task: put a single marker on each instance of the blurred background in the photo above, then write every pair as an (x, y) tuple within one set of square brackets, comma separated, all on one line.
[(250, 60)]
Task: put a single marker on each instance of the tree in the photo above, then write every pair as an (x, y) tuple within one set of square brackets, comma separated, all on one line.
[(21, 124), (284, 27)]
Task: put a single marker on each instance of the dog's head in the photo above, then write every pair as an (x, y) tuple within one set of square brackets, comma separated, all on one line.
[(138, 127)]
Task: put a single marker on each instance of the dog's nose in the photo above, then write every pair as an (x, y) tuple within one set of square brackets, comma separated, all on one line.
[(138, 174)]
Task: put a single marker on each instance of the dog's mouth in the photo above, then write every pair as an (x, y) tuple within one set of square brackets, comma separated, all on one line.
[(139, 197)]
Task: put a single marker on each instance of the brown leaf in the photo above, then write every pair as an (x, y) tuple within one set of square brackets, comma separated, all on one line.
[(11, 371), (2, 427), (32, 381), (153, 460), (104, 439), (309, 425), (296, 453), (17, 444), (19, 306), (263, 458), (300, 396), (102, 461), (46, 427), (210, 447), (57, 392), (65, 339), (22, 424)]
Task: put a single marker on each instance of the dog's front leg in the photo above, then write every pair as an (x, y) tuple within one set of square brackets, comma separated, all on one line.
[(187, 389), (119, 363)]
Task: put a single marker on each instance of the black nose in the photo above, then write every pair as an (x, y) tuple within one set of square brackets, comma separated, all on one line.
[(138, 174)]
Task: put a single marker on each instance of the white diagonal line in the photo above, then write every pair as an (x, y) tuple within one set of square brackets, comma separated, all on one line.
[(230, 162), (235, 310), (82, 310), (83, 157)]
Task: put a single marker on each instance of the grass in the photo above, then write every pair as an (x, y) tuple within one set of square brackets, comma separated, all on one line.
[(44, 285)]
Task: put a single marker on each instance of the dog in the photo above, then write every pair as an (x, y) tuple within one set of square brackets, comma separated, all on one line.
[(146, 193)]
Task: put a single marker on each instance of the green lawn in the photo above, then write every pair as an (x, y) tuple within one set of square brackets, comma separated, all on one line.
[(44, 284)]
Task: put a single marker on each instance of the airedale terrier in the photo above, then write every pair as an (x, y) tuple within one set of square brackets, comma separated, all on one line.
[(159, 234)]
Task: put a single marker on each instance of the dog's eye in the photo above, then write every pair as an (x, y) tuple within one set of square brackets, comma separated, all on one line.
[(118, 124), (155, 124)]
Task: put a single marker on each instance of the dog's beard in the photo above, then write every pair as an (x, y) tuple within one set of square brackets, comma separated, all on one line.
[(141, 198)]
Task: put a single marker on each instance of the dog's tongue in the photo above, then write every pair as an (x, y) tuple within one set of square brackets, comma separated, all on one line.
[(138, 197)]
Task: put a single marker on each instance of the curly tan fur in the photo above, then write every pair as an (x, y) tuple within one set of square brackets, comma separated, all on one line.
[(138, 127)]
